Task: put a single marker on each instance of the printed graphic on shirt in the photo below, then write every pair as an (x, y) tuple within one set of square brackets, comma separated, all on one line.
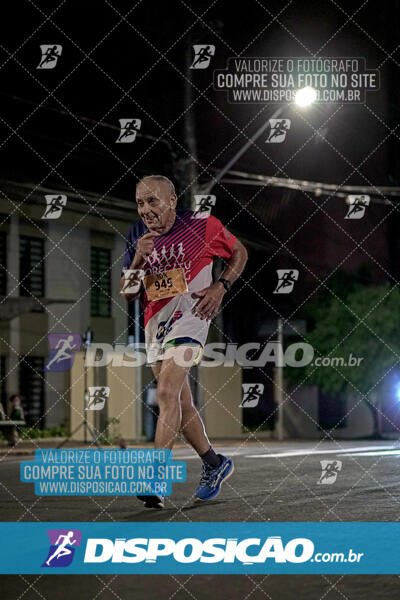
[(190, 246)]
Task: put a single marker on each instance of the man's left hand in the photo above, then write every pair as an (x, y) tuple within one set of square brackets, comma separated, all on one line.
[(210, 301)]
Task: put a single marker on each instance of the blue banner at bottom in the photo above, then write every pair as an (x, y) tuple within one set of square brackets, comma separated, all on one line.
[(221, 548)]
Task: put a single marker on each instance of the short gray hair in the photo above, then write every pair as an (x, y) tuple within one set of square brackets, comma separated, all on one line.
[(158, 178)]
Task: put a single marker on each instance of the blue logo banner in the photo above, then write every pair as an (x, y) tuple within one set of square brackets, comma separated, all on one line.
[(222, 548)]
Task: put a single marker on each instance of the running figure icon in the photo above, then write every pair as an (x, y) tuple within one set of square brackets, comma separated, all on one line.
[(286, 280), (330, 471), (279, 129), (203, 55), (50, 56), (63, 345), (62, 549), (357, 206), (55, 204), (133, 280), (97, 397), (128, 130), (252, 394)]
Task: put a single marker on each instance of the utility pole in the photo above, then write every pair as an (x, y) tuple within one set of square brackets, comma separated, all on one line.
[(278, 384), (190, 162)]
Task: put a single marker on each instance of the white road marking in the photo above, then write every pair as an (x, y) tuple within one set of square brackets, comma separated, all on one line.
[(378, 453), (311, 451)]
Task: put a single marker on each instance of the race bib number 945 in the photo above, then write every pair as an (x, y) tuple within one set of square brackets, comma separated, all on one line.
[(165, 284)]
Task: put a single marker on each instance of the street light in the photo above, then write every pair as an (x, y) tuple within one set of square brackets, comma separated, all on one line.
[(305, 96)]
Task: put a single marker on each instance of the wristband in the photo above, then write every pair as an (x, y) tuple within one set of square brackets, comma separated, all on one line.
[(227, 284)]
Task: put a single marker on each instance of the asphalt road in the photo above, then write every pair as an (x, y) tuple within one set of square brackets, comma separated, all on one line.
[(273, 482)]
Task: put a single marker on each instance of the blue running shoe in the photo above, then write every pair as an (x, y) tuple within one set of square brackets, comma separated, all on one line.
[(212, 478)]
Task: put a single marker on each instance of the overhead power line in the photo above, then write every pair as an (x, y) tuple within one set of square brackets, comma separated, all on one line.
[(377, 193)]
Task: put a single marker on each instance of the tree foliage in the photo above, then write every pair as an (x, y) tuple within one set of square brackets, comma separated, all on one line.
[(352, 319)]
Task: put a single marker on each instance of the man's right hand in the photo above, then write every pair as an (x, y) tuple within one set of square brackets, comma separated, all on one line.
[(144, 248)]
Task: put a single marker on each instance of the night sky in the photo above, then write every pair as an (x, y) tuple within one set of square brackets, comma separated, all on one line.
[(122, 59)]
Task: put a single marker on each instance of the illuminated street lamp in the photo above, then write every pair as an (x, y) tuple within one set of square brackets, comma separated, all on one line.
[(305, 96)]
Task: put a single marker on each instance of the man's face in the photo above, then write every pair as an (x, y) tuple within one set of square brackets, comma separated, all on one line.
[(156, 204)]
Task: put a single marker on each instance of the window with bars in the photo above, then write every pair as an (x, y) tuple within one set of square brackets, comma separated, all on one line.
[(31, 266), (100, 275), (31, 390), (3, 263)]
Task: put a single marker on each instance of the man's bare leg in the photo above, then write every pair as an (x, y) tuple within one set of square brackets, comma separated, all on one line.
[(191, 424), (171, 376), (178, 412)]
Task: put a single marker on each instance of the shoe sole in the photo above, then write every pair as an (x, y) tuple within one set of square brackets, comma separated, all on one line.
[(223, 481), (151, 503)]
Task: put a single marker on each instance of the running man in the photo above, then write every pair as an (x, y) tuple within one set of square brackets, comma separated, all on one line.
[(203, 55), (98, 397), (253, 393), (131, 281), (358, 206), (331, 470), (288, 279), (62, 353), (129, 129), (280, 129), (50, 55), (55, 205), (179, 300), (62, 549)]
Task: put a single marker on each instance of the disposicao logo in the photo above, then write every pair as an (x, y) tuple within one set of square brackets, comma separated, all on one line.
[(191, 550)]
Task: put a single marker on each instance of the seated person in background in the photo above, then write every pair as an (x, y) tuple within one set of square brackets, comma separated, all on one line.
[(17, 412), (6, 426)]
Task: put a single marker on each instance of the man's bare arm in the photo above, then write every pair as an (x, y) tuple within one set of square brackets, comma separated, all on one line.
[(236, 263), (211, 297)]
